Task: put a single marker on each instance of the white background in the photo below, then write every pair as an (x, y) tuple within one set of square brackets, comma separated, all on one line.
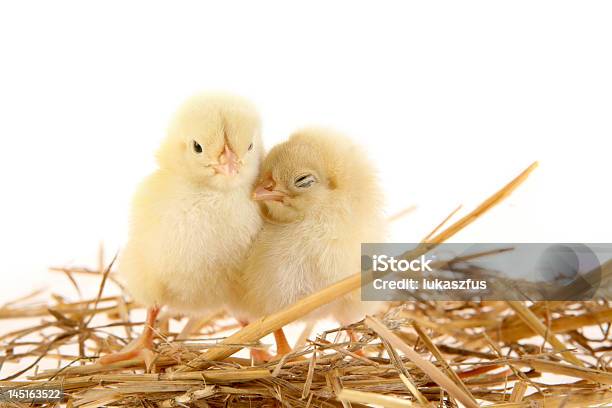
[(452, 99)]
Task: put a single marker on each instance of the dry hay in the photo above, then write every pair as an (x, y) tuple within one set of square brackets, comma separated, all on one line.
[(418, 354)]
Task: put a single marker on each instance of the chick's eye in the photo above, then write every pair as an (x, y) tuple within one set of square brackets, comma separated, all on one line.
[(251, 147), (304, 181), (196, 147)]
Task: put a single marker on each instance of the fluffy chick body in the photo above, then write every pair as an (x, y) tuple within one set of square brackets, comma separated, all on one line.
[(192, 227), (312, 237)]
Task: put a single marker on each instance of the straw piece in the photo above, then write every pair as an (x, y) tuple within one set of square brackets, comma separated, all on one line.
[(432, 371), (414, 390), (401, 214), (436, 353), (372, 398), (189, 397), (590, 374), (518, 392), (440, 225), (511, 334), (486, 205), (310, 374), (98, 368), (334, 380), (104, 401), (537, 326)]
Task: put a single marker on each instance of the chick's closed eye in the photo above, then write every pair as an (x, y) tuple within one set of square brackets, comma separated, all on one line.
[(304, 181)]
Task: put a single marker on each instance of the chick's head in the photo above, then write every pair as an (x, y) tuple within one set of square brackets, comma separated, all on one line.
[(316, 172), (214, 139)]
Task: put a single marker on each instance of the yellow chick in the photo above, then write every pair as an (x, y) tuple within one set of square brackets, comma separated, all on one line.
[(192, 220), (321, 200)]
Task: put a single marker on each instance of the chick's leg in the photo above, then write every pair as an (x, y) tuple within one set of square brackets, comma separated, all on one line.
[(282, 348), (282, 345), (140, 347)]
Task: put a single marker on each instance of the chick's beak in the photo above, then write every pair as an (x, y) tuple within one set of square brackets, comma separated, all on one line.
[(265, 191), (228, 163)]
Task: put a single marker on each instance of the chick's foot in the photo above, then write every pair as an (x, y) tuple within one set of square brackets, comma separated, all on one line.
[(139, 348), (261, 356), (282, 348)]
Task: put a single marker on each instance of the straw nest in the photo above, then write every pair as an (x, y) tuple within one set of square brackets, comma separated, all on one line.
[(418, 354)]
